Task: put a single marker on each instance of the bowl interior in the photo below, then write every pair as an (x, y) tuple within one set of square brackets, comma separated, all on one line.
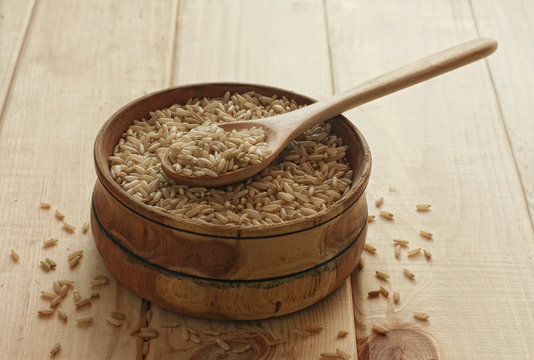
[(358, 153)]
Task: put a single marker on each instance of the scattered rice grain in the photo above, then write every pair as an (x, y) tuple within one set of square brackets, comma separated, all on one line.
[(117, 315), (384, 291), (369, 248), (76, 295), (55, 302), (342, 354), (56, 287), (373, 294), (61, 315), (45, 312), (239, 349), (401, 242), (113, 322), (59, 215), (46, 266), (379, 329), (371, 218), (55, 349), (414, 252), (313, 329), (65, 282), (422, 207), (194, 338), (15, 256), (386, 215), (169, 324), (82, 302), (74, 262), (85, 228), (426, 234), (408, 274), (396, 297), (75, 254), (148, 333), (84, 320), (148, 316), (397, 251), (146, 347), (382, 275), (69, 228), (44, 205), (51, 262), (379, 202), (50, 242), (427, 253), (342, 333), (49, 295), (421, 316), (223, 344)]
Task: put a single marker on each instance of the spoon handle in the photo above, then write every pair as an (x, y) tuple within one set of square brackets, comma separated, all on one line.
[(403, 77)]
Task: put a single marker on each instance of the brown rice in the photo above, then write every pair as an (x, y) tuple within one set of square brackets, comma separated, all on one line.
[(15, 256), (426, 234), (422, 207), (379, 329), (410, 275), (308, 176)]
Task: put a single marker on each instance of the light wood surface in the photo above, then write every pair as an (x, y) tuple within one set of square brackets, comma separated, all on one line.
[(461, 142), (442, 143)]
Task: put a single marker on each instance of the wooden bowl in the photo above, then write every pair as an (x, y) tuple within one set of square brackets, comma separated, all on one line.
[(223, 272)]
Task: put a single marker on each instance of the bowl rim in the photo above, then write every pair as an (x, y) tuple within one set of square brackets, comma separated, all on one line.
[(225, 231)]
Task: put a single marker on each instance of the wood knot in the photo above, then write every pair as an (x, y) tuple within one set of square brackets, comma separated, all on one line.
[(237, 342), (400, 344)]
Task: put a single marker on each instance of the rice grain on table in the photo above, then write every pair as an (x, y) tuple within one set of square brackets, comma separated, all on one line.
[(146, 347), (61, 315), (113, 322), (371, 218), (373, 293), (50, 242), (386, 215), (59, 215), (308, 177), (55, 349), (15, 256), (397, 251), (171, 324), (194, 338), (49, 295), (148, 333), (69, 228), (382, 275), (82, 302), (46, 266), (379, 202), (396, 297), (44, 205), (74, 254), (65, 282), (63, 291), (379, 329), (148, 316), (384, 291), (74, 261), (223, 344), (313, 329), (76, 295), (117, 315), (51, 262), (422, 207), (408, 274), (369, 248), (45, 312), (421, 316), (239, 349), (85, 228), (55, 302), (414, 252), (342, 333), (56, 287), (426, 234), (427, 253), (342, 354), (401, 242), (84, 320), (302, 333)]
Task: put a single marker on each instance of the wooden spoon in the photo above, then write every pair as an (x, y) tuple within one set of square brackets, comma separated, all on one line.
[(281, 129)]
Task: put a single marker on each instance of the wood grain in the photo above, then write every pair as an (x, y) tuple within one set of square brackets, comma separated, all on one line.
[(239, 41), (442, 143), (80, 62), (14, 20), (513, 78)]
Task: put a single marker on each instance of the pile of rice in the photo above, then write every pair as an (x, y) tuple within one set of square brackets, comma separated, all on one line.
[(309, 175)]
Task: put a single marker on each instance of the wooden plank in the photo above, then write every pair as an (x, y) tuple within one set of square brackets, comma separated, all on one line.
[(14, 19), (251, 47), (81, 62), (441, 142), (513, 76)]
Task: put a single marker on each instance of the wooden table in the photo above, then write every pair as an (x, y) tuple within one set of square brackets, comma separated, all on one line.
[(461, 142)]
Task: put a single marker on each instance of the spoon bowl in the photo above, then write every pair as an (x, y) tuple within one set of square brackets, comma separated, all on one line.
[(281, 129)]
